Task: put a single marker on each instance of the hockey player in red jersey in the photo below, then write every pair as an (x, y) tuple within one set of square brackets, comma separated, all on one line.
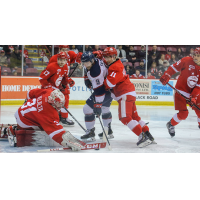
[(123, 91), (187, 84), (73, 57), (56, 76), (40, 112)]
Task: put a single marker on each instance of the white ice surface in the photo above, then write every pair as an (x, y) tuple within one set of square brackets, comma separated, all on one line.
[(187, 139)]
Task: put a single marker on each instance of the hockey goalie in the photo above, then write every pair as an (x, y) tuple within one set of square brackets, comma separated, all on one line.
[(40, 113)]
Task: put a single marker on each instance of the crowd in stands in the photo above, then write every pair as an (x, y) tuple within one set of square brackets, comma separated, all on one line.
[(133, 57)]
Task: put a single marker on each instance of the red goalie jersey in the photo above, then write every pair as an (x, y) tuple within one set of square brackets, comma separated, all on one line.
[(119, 81), (54, 75), (189, 79), (37, 113)]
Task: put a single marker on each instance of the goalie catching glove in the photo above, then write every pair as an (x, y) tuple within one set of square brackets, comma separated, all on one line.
[(71, 141)]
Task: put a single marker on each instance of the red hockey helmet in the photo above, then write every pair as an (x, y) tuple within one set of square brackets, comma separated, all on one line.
[(197, 50), (109, 51), (64, 46), (62, 55)]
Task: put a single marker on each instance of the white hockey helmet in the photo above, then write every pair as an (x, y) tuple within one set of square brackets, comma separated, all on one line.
[(57, 99)]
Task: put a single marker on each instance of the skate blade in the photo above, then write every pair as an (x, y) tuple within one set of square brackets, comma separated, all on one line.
[(66, 125), (144, 144), (88, 140), (108, 136)]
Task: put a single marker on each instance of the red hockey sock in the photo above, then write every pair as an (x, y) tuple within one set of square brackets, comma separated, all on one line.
[(173, 122), (137, 130), (145, 128)]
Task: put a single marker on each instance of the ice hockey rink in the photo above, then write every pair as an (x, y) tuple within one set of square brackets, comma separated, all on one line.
[(187, 139)]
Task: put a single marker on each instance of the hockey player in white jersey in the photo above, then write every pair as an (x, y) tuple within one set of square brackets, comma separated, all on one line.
[(100, 100)]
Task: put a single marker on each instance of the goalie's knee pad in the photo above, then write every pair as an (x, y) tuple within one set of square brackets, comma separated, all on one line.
[(11, 136), (182, 115)]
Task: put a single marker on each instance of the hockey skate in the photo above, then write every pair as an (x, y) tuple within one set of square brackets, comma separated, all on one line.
[(170, 129), (89, 136), (66, 122), (150, 137), (143, 140), (110, 133)]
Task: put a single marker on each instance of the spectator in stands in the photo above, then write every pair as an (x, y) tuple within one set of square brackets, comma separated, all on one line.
[(3, 59), (15, 73), (73, 48), (80, 48), (137, 75), (88, 48), (7, 50), (154, 69), (168, 55), (149, 76), (25, 65), (121, 54), (15, 59), (142, 54), (96, 48), (79, 71), (152, 60), (131, 55), (126, 48), (179, 54), (191, 52), (161, 60), (173, 59), (129, 70), (141, 67), (5, 72), (154, 52)]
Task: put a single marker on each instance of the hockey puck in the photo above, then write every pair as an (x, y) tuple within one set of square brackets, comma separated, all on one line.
[(96, 149)]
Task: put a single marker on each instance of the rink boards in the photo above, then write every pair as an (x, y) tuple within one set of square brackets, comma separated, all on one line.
[(149, 92)]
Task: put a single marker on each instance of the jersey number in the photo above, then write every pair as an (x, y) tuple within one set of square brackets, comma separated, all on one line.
[(29, 104)]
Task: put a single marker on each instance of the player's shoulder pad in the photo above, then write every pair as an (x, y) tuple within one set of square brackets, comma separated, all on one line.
[(116, 66)]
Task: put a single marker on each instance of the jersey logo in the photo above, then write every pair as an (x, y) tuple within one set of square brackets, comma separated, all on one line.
[(58, 71), (192, 81), (58, 81), (46, 73), (191, 66), (97, 82)]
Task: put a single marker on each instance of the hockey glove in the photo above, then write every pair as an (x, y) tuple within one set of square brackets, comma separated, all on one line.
[(164, 79), (97, 109), (191, 102), (87, 82), (71, 82), (46, 86)]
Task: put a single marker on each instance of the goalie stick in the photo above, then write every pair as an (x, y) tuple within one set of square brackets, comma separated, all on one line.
[(187, 99), (87, 147)]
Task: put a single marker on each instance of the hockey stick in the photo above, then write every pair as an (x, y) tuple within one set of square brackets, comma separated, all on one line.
[(73, 70), (188, 100), (74, 119), (87, 147), (109, 146)]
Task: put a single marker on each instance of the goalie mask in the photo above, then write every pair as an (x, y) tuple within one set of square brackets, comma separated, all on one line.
[(57, 99)]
